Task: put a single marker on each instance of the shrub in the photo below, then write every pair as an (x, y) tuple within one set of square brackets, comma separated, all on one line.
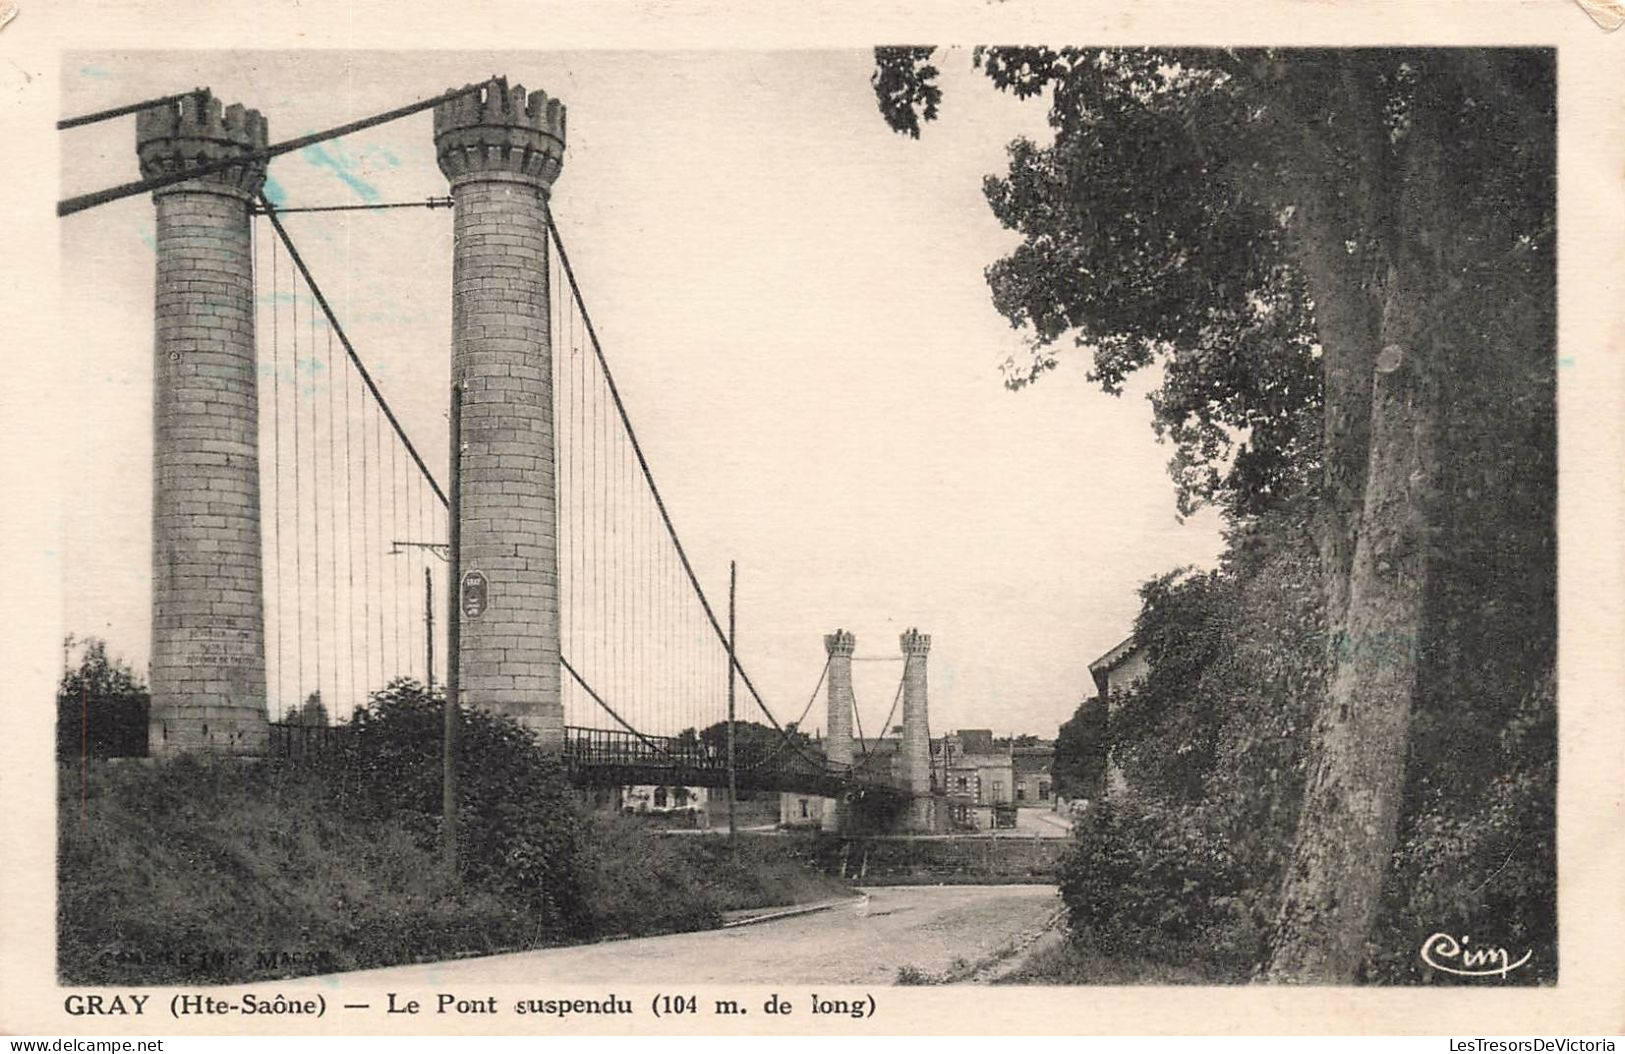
[(519, 828), (1161, 882), (641, 882)]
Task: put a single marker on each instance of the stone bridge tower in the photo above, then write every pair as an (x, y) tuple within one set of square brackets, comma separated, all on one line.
[(838, 724), (838, 719), (502, 148), (915, 757), (208, 615)]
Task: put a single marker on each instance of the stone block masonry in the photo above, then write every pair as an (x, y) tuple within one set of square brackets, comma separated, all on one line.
[(838, 742), (208, 615), (916, 745), (501, 148)]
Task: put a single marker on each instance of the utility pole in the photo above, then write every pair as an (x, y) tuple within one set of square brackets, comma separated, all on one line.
[(399, 547), (733, 773), (448, 788), (428, 627)]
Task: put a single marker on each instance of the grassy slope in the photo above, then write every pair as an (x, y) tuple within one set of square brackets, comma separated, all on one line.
[(1073, 963), (217, 873), (641, 882)]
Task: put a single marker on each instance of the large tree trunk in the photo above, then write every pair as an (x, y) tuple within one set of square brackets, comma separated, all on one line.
[(1348, 314), (1351, 805), (1349, 818)]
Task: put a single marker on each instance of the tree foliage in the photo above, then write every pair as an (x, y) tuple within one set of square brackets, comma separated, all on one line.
[(1079, 764), (101, 708), (1169, 219), (312, 713), (752, 740), (904, 88), (1164, 886)]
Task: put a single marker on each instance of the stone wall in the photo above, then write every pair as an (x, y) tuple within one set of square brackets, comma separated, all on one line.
[(928, 861)]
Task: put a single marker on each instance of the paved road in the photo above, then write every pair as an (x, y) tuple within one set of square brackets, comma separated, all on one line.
[(1042, 823), (927, 927)]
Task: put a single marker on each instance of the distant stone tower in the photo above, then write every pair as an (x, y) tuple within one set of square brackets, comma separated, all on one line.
[(838, 718), (915, 756), (208, 615), (502, 148), (838, 724)]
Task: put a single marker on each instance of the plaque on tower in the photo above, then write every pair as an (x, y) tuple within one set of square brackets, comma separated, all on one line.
[(475, 594)]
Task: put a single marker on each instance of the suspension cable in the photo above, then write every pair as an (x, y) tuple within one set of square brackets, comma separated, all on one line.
[(361, 368), (276, 472), (889, 714), (427, 203), (315, 509), (68, 206), (298, 509), (651, 744), (796, 724), (120, 111), (349, 544), (643, 463)]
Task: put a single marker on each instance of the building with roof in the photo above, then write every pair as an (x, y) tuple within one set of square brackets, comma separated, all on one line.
[(977, 775), (1120, 669), (1031, 771), (987, 778)]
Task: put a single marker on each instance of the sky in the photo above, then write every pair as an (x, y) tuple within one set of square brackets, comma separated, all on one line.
[(792, 299)]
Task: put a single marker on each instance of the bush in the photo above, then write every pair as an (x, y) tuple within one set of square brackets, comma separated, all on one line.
[(641, 882), (1214, 747), (1161, 882), (519, 829), (198, 869)]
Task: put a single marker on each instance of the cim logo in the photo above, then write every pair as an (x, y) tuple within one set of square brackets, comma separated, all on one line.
[(1449, 955)]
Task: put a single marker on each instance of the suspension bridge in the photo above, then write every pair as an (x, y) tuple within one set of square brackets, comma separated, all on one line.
[(305, 558)]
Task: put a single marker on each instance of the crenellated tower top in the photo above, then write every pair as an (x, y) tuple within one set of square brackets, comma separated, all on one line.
[(915, 643), (197, 129), (840, 643), (498, 132)]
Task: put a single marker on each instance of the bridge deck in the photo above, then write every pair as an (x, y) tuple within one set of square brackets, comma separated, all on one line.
[(613, 757)]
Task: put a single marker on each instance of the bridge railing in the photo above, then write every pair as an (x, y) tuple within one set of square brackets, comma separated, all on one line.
[(292, 740), (616, 747), (616, 755)]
